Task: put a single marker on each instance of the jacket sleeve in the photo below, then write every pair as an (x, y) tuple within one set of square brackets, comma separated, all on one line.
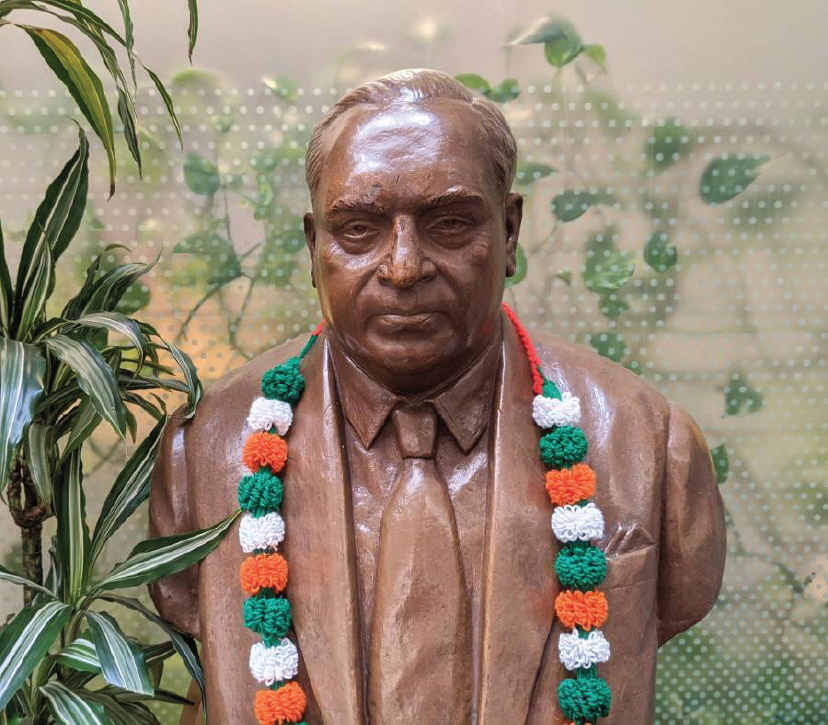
[(693, 539), (175, 596)]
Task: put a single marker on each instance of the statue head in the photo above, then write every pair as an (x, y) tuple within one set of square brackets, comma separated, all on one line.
[(414, 229)]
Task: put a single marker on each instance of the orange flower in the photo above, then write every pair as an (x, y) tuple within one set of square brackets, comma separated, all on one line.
[(263, 571), (587, 609), (264, 449), (570, 485), (287, 704)]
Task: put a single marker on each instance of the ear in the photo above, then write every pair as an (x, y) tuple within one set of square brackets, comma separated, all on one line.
[(512, 216), (310, 240)]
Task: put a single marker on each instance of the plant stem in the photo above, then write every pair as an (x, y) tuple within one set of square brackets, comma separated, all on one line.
[(28, 512)]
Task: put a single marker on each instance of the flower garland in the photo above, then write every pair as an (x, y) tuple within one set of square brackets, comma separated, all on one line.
[(580, 566), (264, 574)]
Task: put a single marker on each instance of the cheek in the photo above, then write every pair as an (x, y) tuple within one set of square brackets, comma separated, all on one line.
[(476, 269), (340, 276)]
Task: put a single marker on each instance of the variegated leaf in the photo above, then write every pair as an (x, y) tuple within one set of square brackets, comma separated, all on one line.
[(122, 662), (69, 707), (80, 655), (156, 558), (131, 488), (95, 377), (26, 640), (22, 368)]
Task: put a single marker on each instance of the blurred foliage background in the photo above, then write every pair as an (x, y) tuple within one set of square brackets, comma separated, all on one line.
[(679, 229)]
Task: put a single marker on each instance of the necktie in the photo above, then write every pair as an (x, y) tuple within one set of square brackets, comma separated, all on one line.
[(420, 661)]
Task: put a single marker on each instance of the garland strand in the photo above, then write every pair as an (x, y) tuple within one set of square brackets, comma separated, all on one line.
[(579, 565), (264, 574)]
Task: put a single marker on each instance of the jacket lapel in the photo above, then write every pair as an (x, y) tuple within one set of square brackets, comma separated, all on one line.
[(519, 584), (319, 547)]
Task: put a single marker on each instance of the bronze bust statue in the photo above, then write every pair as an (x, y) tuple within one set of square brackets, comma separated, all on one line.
[(419, 602)]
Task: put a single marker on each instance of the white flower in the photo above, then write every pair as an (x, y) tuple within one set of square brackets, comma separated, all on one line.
[(549, 412), (269, 664), (265, 413), (578, 652), (262, 532), (571, 523)]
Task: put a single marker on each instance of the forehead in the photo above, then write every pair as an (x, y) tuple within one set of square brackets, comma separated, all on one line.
[(401, 153)]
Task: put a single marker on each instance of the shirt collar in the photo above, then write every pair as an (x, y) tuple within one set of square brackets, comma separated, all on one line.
[(464, 404)]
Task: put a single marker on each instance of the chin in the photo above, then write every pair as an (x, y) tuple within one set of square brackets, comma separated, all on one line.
[(409, 355)]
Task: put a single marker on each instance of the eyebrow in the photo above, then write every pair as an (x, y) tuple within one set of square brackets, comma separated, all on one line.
[(372, 206)]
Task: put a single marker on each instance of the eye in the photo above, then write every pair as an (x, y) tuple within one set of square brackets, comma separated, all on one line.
[(357, 231), (449, 225)]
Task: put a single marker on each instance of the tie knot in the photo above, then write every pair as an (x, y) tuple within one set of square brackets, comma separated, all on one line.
[(416, 429)]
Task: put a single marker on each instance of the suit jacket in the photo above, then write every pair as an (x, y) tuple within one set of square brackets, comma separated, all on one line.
[(664, 537)]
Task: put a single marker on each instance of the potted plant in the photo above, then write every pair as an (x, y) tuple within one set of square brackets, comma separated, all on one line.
[(60, 377)]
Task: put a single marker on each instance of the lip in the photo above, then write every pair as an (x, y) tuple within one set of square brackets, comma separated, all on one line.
[(407, 319)]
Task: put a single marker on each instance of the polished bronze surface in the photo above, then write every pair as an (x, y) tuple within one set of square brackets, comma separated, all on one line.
[(411, 236)]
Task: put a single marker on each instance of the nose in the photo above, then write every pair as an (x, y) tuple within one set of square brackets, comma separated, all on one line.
[(405, 265)]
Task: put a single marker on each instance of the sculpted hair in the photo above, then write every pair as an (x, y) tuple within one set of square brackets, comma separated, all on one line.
[(418, 86)]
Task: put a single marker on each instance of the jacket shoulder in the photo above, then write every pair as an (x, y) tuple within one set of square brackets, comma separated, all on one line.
[(585, 373)]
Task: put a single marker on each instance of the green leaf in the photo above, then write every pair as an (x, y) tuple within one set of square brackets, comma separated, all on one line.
[(126, 113), (114, 322), (606, 269), (156, 558), (668, 143), (95, 377), (721, 462), (728, 176), (30, 303), (80, 655), (70, 708), (10, 576), (59, 215), (597, 54), (474, 82), (741, 396), (6, 290), (549, 29), (194, 387), (37, 445), (506, 90), (528, 172), (26, 641), (201, 174), (68, 64), (660, 253), (569, 205), (121, 713), (122, 662), (608, 344), (192, 28), (22, 368), (521, 268), (612, 306), (73, 533), (131, 488), (183, 643), (104, 293), (84, 421), (168, 103), (565, 276), (129, 39)]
